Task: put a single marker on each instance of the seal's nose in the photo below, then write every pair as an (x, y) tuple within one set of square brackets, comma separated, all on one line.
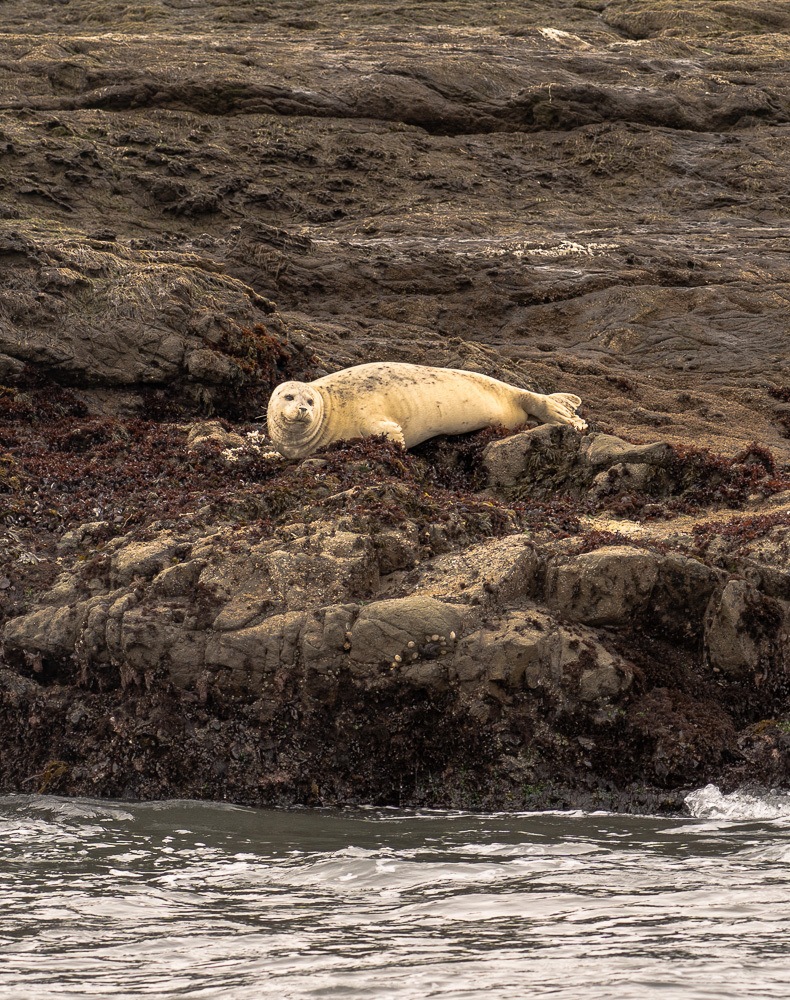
[(302, 411)]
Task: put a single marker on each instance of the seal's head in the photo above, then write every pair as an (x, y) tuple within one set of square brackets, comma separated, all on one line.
[(295, 418)]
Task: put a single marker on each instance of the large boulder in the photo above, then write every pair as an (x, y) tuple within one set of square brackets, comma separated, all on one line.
[(542, 453)]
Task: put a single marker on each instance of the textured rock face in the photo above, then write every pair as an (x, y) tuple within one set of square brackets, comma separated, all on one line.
[(746, 631), (609, 587), (586, 198), (153, 316)]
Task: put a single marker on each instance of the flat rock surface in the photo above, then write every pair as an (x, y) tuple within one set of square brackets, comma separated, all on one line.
[(199, 200)]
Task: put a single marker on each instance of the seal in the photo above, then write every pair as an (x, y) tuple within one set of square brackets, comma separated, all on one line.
[(407, 403)]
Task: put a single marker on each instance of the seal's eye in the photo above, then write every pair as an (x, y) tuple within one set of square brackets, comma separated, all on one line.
[(309, 402), (289, 396)]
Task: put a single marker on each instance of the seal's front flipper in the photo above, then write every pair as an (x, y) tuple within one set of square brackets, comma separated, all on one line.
[(389, 428)]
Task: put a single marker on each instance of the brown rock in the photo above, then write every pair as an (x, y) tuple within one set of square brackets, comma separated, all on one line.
[(531, 650), (144, 559), (610, 586), (384, 630), (605, 450), (246, 658), (744, 630)]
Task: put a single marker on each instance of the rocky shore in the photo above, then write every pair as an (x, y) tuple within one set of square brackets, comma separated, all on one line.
[(200, 200)]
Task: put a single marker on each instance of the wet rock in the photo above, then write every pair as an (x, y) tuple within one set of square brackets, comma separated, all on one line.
[(708, 735), (679, 599), (370, 617)]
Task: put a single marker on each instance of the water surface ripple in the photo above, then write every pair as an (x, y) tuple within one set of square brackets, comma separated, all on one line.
[(185, 899)]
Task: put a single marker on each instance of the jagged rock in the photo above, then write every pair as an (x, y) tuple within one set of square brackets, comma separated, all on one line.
[(608, 586)]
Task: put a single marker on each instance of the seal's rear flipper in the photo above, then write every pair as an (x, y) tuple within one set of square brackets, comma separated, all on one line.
[(558, 408), (568, 397)]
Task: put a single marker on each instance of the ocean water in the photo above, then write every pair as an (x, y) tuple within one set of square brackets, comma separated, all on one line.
[(188, 899)]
